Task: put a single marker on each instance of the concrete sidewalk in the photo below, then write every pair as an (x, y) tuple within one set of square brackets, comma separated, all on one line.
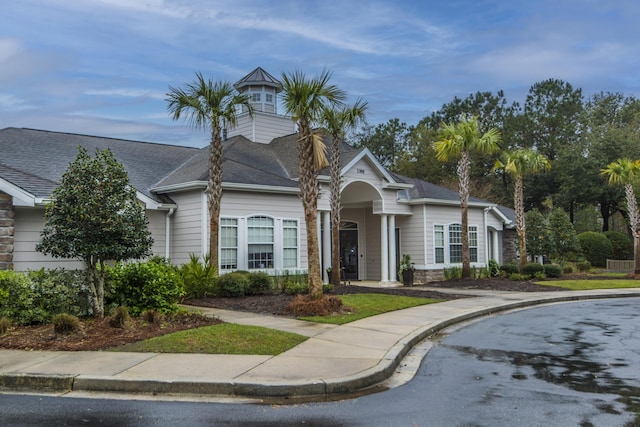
[(334, 360)]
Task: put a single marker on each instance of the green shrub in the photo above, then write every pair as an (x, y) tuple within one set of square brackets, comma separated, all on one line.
[(151, 285), (552, 270), (583, 265), (567, 269), (621, 244), (518, 277), (530, 269), (493, 267), (65, 323), (539, 275), (21, 304), (327, 288), (293, 288), (233, 284), (5, 324), (596, 248), (152, 316), (258, 282), (61, 291), (287, 279), (200, 278), (509, 268), (451, 273)]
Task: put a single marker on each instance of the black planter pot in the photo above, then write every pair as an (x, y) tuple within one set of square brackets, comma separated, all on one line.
[(407, 277)]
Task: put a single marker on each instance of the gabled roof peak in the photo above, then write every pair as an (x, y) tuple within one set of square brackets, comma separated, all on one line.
[(259, 77)]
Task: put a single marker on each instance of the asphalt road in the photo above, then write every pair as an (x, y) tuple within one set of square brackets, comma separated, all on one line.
[(571, 364)]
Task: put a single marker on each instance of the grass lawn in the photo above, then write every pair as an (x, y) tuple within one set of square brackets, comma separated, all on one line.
[(583, 285), (366, 305), (226, 338)]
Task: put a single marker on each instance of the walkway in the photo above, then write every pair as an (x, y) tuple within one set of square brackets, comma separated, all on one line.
[(335, 359)]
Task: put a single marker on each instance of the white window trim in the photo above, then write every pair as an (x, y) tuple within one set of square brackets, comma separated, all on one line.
[(447, 245)]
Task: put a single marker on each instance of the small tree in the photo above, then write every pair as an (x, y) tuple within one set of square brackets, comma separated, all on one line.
[(539, 241), (565, 239), (95, 217)]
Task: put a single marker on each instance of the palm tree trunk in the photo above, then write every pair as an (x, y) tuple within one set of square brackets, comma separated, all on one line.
[(463, 174), (335, 211), (309, 195), (215, 193), (518, 204)]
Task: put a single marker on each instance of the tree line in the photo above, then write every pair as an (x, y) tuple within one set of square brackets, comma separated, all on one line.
[(578, 135)]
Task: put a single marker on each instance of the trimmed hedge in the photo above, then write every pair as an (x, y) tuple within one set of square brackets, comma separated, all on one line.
[(509, 268), (621, 244), (552, 270), (596, 248), (532, 268)]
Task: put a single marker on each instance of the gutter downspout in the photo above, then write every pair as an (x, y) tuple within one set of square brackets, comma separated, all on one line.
[(167, 233)]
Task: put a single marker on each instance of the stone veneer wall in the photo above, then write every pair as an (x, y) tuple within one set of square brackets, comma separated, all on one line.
[(6, 231), (509, 245), (421, 277)]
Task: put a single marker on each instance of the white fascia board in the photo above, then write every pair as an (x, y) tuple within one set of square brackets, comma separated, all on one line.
[(183, 186), (502, 216), (449, 203), (20, 196), (152, 204), (260, 188), (366, 153), (397, 186)]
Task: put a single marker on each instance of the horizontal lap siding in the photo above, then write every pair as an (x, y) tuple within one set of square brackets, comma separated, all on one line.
[(157, 227), (186, 233), (29, 222), (412, 235)]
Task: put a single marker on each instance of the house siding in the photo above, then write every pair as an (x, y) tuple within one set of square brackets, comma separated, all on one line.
[(262, 127), (186, 226), (157, 227)]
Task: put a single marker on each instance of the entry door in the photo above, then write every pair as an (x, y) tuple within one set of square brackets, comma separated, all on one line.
[(349, 254)]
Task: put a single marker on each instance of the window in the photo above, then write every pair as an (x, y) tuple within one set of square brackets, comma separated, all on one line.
[(289, 243), (438, 243), (255, 97), (260, 240), (473, 243), (228, 243), (269, 98), (455, 243)]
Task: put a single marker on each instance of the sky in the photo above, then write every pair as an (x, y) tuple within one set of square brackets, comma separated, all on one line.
[(104, 67)]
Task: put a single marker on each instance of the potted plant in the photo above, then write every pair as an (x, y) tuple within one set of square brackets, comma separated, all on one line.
[(406, 270)]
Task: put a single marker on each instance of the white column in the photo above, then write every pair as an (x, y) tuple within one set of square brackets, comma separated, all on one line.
[(319, 229), (496, 247), (393, 268), (384, 249), (326, 244)]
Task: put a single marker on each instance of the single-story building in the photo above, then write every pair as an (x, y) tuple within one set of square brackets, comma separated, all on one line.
[(384, 215)]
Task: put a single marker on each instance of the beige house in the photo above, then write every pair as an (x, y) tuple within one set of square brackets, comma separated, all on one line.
[(262, 227)]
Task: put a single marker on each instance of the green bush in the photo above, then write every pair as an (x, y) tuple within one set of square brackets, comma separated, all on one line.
[(21, 305), (150, 285), (567, 269), (552, 270), (596, 248), (120, 317), (451, 273), (583, 265), (65, 323), (200, 278), (61, 291), (518, 277), (493, 267), (621, 244), (509, 268), (233, 284), (530, 269), (293, 288), (259, 282)]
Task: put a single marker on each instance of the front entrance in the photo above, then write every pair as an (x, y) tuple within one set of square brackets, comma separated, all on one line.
[(349, 251)]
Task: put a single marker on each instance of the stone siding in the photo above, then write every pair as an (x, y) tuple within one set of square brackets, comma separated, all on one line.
[(509, 245), (7, 214), (421, 277)]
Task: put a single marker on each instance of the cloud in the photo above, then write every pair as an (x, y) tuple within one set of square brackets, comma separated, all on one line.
[(127, 93)]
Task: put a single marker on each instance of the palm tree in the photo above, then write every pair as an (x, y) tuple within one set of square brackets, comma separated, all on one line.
[(305, 99), (519, 163), (214, 106), (626, 172), (459, 140), (337, 122)]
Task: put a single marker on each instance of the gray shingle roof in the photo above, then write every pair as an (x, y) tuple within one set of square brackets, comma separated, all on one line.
[(426, 190), (35, 160), (258, 77)]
